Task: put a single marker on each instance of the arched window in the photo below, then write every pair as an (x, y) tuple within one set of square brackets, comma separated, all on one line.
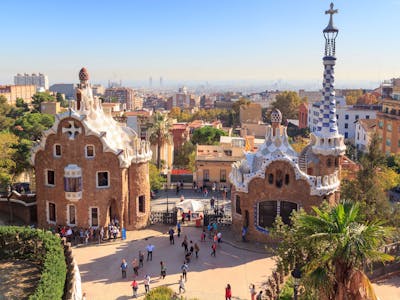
[(328, 162), (279, 179), (270, 178), (287, 179), (237, 204)]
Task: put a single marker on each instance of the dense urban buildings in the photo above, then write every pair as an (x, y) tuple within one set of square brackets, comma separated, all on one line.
[(90, 171), (125, 96)]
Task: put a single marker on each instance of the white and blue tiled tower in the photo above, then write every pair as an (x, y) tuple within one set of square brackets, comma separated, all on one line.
[(326, 139)]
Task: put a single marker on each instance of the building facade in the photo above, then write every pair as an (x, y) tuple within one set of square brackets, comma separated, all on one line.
[(276, 180), (388, 126), (89, 170), (125, 96), (12, 92), (364, 131), (40, 80)]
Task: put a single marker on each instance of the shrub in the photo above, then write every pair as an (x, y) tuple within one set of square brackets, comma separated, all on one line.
[(42, 247)]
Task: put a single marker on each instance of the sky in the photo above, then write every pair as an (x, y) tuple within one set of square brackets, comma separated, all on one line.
[(197, 40)]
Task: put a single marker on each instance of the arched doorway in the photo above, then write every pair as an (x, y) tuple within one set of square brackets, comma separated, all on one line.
[(113, 213)]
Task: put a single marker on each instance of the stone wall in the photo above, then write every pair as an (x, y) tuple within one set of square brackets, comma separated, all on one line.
[(72, 288)]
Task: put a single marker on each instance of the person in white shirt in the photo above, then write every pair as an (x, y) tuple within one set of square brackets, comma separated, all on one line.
[(150, 248), (146, 282)]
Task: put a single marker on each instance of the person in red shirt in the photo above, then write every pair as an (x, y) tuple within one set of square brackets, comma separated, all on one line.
[(134, 286), (228, 292)]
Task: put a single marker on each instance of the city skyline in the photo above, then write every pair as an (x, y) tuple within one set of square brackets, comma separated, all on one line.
[(212, 41)]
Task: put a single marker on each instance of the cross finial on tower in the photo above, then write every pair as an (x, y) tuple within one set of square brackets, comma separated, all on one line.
[(331, 11)]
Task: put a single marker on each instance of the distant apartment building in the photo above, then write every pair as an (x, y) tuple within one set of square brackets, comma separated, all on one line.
[(303, 115), (125, 96), (183, 100), (68, 89), (250, 113), (364, 131), (52, 108), (346, 116), (98, 90), (40, 80), (312, 96), (388, 127), (12, 92)]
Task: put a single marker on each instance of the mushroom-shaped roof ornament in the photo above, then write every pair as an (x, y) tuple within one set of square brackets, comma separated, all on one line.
[(83, 75), (276, 116)]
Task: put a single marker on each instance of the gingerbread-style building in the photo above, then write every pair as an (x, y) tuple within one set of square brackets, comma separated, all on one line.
[(276, 179), (91, 170)]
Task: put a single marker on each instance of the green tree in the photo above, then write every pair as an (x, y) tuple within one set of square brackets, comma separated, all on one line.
[(332, 247), (288, 103), (353, 96), (207, 135), (60, 98), (20, 109), (31, 126), (40, 97), (160, 133), (8, 142), (182, 156), (5, 110), (156, 180), (371, 184)]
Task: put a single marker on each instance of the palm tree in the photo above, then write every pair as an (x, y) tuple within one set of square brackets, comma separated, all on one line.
[(333, 247), (160, 133)]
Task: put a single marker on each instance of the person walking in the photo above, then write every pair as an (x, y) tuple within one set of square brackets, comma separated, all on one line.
[(135, 266), (171, 236), (259, 296), (178, 227), (141, 259), (219, 237), (124, 266), (184, 269), (213, 248), (253, 291), (185, 244), (228, 292), (203, 236), (146, 283), (196, 249), (163, 271), (181, 285), (150, 248), (191, 249), (135, 287)]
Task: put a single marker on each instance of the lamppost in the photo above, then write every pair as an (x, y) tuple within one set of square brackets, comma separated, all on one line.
[(9, 194), (166, 191), (296, 273)]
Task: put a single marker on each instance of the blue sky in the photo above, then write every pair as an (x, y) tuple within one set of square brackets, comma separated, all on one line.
[(207, 40)]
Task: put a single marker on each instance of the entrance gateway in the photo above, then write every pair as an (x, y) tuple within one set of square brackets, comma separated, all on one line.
[(267, 211)]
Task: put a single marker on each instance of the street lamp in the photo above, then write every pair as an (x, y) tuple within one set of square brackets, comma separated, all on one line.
[(296, 274), (166, 191), (9, 194)]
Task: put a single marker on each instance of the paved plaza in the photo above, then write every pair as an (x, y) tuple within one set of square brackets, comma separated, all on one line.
[(207, 276)]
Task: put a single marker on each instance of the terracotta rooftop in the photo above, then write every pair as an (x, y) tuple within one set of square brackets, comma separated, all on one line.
[(368, 124)]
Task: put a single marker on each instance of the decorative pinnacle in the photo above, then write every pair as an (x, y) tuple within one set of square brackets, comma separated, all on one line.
[(331, 12)]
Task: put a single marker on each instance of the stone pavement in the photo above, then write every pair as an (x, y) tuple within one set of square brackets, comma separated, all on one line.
[(388, 288), (236, 263)]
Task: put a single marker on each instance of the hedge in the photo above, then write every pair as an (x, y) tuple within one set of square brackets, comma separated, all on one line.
[(164, 293), (42, 247)]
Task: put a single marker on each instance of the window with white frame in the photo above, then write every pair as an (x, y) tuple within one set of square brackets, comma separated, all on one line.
[(51, 212), (57, 150), (103, 179), (71, 214), (94, 216), (89, 151), (50, 177)]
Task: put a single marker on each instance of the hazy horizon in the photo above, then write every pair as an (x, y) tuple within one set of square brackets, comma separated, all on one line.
[(189, 42)]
